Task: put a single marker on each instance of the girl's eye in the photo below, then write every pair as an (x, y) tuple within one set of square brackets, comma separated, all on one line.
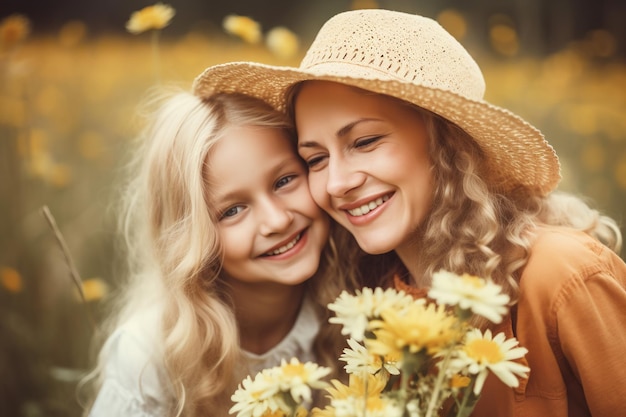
[(233, 211), (361, 143), (284, 181)]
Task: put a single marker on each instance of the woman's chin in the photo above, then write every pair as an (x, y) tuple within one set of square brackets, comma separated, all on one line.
[(375, 246)]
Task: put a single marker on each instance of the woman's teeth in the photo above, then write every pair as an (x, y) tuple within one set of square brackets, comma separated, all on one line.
[(366, 208), (286, 247)]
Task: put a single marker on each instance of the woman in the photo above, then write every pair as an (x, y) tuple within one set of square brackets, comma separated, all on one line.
[(404, 152)]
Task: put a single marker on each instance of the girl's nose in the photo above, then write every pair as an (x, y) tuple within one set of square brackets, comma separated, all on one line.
[(276, 217)]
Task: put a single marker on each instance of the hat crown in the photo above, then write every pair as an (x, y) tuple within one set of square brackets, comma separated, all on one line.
[(386, 45)]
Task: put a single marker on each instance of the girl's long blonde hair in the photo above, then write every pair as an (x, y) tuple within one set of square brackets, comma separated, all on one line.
[(173, 250)]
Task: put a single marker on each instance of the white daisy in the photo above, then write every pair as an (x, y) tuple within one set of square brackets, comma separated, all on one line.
[(481, 353), (354, 312), (298, 378), (469, 292), (265, 393), (257, 396), (359, 360)]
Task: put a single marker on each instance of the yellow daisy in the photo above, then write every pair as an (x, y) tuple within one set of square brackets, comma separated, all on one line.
[(361, 393), (10, 279), (282, 42), (421, 327), (13, 29), (157, 16), (244, 27)]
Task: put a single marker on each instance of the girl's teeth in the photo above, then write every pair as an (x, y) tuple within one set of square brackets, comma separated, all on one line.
[(286, 247), (366, 208)]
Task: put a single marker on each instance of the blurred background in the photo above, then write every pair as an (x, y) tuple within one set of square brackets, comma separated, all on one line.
[(72, 75)]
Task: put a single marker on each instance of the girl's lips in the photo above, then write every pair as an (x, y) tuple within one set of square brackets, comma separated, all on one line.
[(287, 248)]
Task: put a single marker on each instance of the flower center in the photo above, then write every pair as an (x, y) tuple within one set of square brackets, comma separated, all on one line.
[(484, 351), (473, 281), (292, 370)]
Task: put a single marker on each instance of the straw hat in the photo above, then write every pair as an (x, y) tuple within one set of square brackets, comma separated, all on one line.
[(412, 58)]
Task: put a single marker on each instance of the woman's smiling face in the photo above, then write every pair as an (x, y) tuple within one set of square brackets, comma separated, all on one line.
[(368, 161)]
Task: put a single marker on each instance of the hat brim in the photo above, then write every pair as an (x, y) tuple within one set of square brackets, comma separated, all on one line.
[(517, 153)]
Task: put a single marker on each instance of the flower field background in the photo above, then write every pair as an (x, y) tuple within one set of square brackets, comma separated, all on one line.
[(68, 111)]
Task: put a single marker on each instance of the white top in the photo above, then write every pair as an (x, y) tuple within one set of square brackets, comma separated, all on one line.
[(136, 384)]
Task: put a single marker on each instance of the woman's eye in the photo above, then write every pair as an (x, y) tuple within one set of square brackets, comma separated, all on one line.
[(284, 181), (366, 141), (233, 211), (312, 162)]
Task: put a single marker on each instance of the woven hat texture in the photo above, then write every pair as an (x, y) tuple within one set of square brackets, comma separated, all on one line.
[(412, 58)]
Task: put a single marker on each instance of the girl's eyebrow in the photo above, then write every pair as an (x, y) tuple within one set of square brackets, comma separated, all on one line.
[(343, 131)]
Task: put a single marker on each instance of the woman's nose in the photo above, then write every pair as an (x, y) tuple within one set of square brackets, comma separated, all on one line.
[(276, 217), (342, 177)]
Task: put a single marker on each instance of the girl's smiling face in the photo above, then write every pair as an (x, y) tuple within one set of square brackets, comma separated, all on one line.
[(270, 228), (368, 161)]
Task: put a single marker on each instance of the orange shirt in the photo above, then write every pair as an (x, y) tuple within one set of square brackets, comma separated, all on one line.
[(571, 316)]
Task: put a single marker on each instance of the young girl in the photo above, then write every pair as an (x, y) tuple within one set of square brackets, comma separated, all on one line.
[(224, 243), (404, 152)]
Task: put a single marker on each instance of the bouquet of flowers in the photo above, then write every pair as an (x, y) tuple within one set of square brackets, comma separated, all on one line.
[(406, 357)]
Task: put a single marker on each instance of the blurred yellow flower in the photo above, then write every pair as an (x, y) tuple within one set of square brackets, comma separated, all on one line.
[(459, 381), (13, 30), (244, 27), (282, 42), (157, 16), (94, 289), (504, 39), (72, 33), (11, 279), (454, 22)]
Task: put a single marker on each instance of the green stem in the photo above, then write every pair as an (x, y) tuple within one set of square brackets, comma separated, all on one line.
[(438, 384), (467, 404), (464, 409)]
